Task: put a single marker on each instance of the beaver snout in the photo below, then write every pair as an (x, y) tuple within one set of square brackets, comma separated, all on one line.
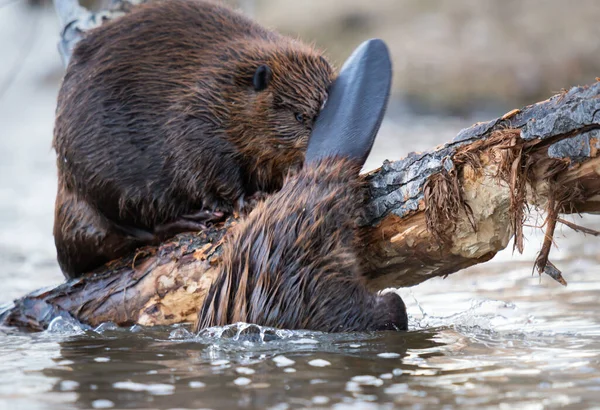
[(390, 313)]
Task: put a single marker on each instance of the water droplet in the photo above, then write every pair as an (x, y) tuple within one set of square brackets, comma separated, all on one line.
[(242, 381), (388, 355), (282, 361), (399, 388), (319, 363), (320, 400), (106, 326), (353, 387), (65, 362), (196, 384), (68, 385), (102, 404), (158, 389), (180, 333), (65, 326), (245, 370), (367, 380)]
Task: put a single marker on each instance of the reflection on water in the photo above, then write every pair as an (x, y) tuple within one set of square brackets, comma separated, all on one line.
[(465, 361), (491, 335)]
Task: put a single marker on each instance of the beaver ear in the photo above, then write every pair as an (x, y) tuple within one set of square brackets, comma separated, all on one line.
[(262, 77)]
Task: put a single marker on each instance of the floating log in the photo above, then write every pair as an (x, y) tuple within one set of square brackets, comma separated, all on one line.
[(429, 214)]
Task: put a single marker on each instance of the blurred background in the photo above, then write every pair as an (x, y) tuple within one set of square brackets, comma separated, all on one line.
[(458, 56), (455, 62)]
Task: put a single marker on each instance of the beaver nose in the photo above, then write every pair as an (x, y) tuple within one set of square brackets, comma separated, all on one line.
[(392, 312)]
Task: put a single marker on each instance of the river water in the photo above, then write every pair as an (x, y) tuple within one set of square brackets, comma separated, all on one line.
[(492, 336)]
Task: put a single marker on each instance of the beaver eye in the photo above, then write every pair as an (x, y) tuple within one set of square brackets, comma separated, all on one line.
[(299, 117)]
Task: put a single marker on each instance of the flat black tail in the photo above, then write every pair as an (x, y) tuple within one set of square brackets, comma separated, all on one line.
[(357, 101)]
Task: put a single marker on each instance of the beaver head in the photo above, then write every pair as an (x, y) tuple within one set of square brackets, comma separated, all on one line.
[(390, 313), (270, 121)]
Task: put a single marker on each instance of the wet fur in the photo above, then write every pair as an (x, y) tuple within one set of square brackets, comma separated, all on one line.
[(292, 263), (158, 117)]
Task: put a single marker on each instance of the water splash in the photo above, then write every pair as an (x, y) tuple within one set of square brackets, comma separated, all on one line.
[(483, 317), (66, 326), (247, 332)]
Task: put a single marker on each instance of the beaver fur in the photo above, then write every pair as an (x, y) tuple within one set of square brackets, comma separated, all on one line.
[(292, 263), (170, 116)]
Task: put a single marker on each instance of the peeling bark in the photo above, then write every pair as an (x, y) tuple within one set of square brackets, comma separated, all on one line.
[(429, 214), (501, 167)]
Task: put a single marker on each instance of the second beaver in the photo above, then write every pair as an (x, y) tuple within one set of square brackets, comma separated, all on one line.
[(170, 116)]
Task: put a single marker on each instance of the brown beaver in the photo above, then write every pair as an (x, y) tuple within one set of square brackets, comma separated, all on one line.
[(292, 263), (169, 117)]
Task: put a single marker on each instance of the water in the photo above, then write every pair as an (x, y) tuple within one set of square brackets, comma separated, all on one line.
[(490, 336), (493, 353)]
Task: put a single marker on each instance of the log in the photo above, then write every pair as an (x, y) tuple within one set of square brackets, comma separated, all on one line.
[(435, 213), (429, 214)]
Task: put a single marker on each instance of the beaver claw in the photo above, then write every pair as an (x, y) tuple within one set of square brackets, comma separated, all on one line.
[(205, 216), (196, 221), (178, 226), (347, 125)]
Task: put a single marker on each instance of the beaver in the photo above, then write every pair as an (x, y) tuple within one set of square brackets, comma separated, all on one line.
[(292, 263), (171, 117)]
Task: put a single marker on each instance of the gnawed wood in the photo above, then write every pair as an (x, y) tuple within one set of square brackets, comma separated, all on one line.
[(428, 215), (502, 167)]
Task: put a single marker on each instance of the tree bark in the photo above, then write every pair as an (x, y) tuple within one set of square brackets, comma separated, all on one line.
[(428, 215)]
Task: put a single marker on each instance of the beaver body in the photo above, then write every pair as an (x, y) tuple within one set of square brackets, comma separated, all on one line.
[(292, 263), (170, 116)]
